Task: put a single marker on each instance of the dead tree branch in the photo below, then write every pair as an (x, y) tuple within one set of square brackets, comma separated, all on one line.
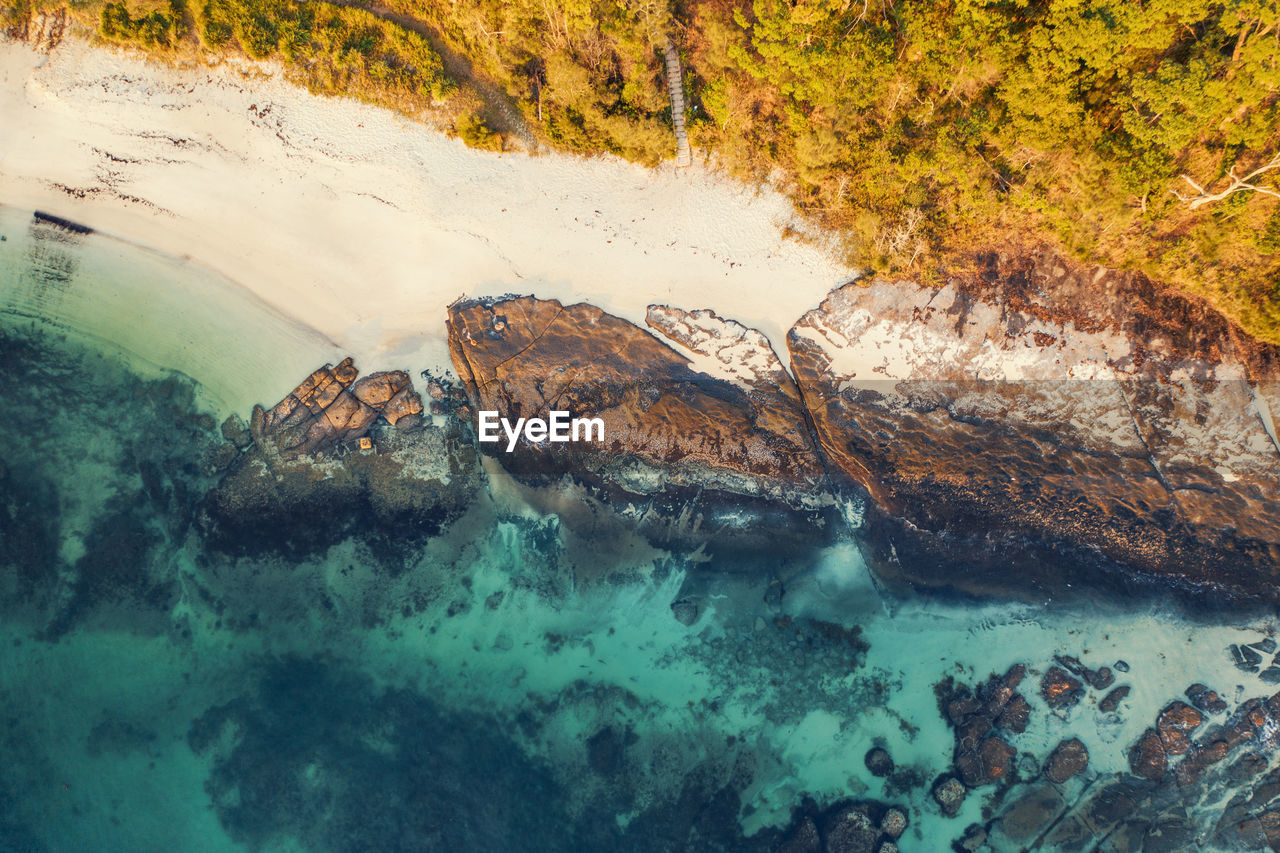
[(1238, 184)]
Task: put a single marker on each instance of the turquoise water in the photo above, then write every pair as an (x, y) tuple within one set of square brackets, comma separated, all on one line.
[(488, 688)]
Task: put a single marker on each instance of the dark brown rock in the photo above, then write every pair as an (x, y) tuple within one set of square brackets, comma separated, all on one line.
[(997, 759), (879, 762), (1060, 690), (1015, 715), (1100, 678), (1069, 758), (1112, 700), (1175, 724), (963, 707), (1205, 699), (1147, 757), (671, 432)]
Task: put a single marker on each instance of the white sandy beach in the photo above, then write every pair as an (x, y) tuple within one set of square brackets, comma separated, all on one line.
[(364, 225)]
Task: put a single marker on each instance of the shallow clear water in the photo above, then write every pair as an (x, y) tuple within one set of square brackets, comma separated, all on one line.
[(469, 691)]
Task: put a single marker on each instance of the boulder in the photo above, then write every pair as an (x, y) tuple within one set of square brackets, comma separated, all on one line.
[(236, 431), (1112, 700), (1245, 658), (331, 407), (1205, 699), (1100, 678), (1069, 758), (1015, 715), (803, 838), (1147, 757), (849, 829), (301, 504), (893, 823), (1060, 690), (949, 793), (879, 762), (1175, 724)]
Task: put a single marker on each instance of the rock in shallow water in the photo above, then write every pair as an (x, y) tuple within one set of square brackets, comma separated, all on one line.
[(949, 794), (1147, 757), (1112, 700), (1059, 690), (1069, 758), (879, 762)]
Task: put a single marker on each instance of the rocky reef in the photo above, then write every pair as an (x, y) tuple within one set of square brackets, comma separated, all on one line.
[(1172, 797)]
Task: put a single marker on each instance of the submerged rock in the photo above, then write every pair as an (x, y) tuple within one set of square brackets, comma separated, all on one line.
[(1060, 690), (879, 762), (850, 830), (1205, 699), (949, 794), (847, 826), (1069, 758), (1175, 724), (1245, 658), (1147, 757), (410, 485), (1112, 700), (982, 756)]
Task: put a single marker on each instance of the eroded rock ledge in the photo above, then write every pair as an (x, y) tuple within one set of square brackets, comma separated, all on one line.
[(1042, 430), (1046, 431), (1049, 426), (713, 434)]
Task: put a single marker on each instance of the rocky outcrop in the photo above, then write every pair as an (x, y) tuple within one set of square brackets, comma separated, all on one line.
[(981, 720), (1068, 759), (296, 481), (331, 406), (1174, 798), (1048, 428), (1037, 431), (702, 423), (845, 827)]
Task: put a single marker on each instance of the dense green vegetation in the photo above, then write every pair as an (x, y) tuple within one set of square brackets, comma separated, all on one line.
[(331, 49), (919, 131)]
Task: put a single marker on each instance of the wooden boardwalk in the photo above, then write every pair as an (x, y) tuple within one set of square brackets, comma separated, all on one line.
[(675, 87)]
